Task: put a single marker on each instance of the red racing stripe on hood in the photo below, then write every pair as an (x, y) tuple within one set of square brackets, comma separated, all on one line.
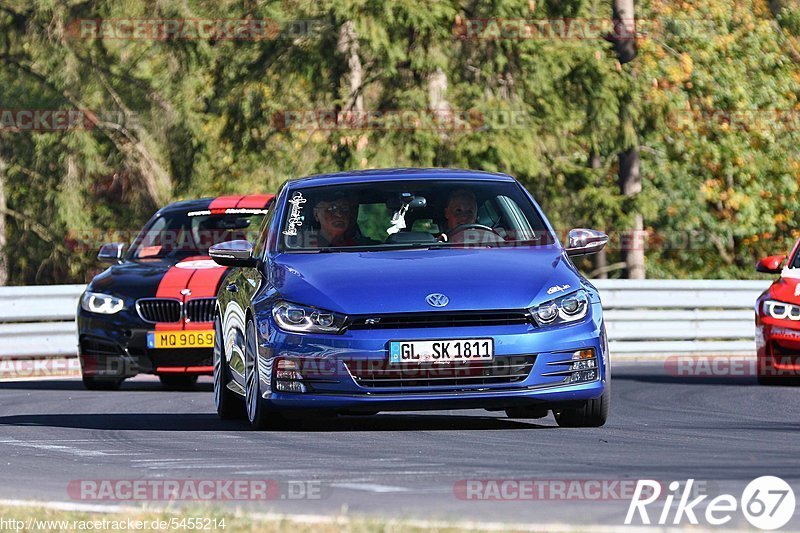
[(204, 284), (175, 280), (181, 277)]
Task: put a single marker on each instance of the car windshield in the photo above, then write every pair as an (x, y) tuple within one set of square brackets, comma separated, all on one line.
[(410, 214), (186, 234)]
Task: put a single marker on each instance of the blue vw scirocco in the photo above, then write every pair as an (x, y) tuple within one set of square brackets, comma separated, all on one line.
[(409, 289)]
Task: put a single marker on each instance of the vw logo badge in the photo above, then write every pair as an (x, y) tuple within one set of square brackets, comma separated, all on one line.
[(437, 300)]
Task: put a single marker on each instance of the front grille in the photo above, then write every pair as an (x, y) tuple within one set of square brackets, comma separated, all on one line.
[(200, 310), (159, 310), (440, 320), (473, 374)]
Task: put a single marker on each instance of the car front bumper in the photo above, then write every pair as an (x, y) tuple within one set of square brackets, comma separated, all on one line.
[(325, 367), (116, 346)]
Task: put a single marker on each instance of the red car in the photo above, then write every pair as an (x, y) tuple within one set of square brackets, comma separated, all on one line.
[(778, 320)]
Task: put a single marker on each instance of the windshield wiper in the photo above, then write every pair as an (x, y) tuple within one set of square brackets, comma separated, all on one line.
[(365, 248)]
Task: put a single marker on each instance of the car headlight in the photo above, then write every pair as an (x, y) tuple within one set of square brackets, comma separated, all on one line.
[(781, 310), (303, 319), (104, 304), (569, 308)]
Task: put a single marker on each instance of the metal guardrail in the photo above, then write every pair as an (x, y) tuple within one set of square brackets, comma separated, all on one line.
[(665, 317), (39, 321), (649, 317)]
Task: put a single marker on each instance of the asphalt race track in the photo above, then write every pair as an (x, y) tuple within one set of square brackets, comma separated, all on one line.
[(721, 431)]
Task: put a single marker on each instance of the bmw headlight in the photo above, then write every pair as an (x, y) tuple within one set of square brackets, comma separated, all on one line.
[(781, 310), (303, 319), (104, 304), (569, 308)]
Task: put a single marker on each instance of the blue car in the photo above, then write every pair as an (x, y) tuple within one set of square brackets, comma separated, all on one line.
[(409, 289)]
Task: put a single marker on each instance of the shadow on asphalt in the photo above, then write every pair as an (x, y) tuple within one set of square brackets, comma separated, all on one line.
[(210, 422), (77, 385), (733, 381)]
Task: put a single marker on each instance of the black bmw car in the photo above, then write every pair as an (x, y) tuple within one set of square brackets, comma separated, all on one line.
[(152, 310)]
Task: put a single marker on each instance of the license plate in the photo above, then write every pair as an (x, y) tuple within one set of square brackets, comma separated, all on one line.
[(441, 351), (180, 339)]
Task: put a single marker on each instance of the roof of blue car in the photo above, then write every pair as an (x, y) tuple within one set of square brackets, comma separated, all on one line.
[(401, 174)]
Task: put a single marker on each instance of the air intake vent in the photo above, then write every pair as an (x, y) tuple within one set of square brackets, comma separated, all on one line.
[(503, 370)]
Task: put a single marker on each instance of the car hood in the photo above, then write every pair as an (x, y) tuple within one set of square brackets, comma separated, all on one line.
[(398, 282), (164, 278)]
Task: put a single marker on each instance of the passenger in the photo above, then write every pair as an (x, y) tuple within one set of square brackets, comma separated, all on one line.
[(337, 216)]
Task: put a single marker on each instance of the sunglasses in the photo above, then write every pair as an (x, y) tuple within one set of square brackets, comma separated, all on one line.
[(337, 209)]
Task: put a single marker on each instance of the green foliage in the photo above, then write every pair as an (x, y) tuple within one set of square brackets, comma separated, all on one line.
[(191, 118)]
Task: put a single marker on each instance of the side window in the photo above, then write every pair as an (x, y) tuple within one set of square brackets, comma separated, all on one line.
[(261, 236), (150, 241), (425, 225), (517, 223), (488, 215)]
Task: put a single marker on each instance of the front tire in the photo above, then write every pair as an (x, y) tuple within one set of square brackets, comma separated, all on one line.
[(592, 415), (229, 405), (256, 413)]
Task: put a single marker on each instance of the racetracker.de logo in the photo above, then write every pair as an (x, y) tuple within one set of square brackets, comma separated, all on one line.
[(545, 489), (131, 29), (700, 366), (192, 490), (20, 120)]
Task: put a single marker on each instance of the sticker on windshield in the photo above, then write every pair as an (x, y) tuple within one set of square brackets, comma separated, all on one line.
[(295, 219)]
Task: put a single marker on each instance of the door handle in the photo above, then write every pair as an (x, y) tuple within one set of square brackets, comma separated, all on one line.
[(232, 288)]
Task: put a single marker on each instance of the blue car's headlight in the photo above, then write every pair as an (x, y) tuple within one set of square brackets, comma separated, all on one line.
[(563, 310), (103, 304), (303, 319)]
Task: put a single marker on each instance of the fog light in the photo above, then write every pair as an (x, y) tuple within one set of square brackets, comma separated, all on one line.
[(288, 377), (289, 386), (583, 365), (583, 376)]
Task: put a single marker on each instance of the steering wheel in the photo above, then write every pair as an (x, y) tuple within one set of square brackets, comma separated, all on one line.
[(466, 227)]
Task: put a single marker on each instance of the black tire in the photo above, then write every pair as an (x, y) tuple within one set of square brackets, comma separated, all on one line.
[(93, 383), (229, 404), (254, 407), (773, 381), (592, 415), (179, 382)]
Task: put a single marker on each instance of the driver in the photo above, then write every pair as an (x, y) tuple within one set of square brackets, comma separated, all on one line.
[(462, 208)]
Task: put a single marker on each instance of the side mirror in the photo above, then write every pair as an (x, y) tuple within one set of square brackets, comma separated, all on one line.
[(111, 253), (771, 264), (585, 241), (233, 254)]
